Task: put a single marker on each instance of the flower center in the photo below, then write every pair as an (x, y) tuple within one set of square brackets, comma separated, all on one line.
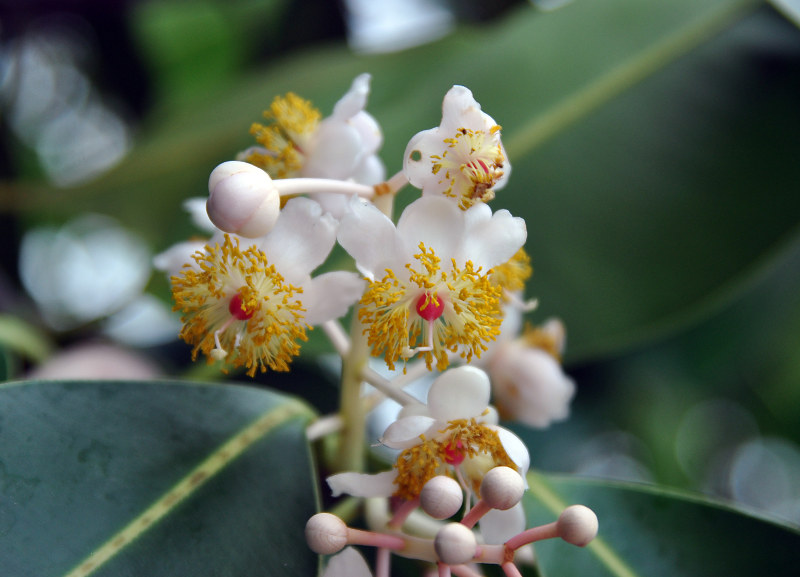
[(430, 306), (237, 308)]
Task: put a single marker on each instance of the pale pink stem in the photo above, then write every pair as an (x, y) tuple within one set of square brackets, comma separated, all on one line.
[(473, 516), (444, 569), (464, 571), (532, 535), (380, 540), (337, 336), (510, 569), (402, 513), (382, 559), (292, 186)]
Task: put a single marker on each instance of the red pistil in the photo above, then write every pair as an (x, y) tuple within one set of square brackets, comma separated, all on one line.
[(430, 306), (238, 310), (454, 454)]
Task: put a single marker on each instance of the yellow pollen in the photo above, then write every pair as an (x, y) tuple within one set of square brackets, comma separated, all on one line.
[(513, 274), (292, 121), (462, 439), (536, 337), (471, 165), (471, 316), (268, 338)]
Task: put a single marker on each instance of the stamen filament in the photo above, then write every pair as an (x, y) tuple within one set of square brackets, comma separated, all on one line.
[(294, 186)]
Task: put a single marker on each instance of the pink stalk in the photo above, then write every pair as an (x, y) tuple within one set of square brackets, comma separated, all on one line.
[(473, 516), (532, 535), (380, 540), (402, 513)]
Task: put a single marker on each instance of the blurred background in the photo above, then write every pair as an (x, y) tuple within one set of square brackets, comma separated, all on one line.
[(656, 159)]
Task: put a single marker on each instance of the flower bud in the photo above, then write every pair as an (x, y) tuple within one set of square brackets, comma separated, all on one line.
[(577, 525), (326, 534), (242, 199), (502, 488), (441, 497), (455, 544)]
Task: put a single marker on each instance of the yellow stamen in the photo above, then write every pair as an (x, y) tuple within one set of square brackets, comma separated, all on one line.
[(472, 164), (513, 274), (539, 338), (461, 439), (292, 120), (268, 337), (471, 316)]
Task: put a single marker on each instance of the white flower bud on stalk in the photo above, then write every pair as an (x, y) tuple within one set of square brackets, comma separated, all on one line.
[(242, 199)]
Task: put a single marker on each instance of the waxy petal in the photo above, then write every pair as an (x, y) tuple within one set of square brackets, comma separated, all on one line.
[(301, 239), (492, 239), (348, 563), (369, 236), (516, 450), (407, 432), (435, 221), (459, 393), (329, 295), (498, 526), (362, 484)]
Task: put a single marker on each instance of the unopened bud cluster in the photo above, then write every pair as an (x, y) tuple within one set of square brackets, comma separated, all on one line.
[(455, 542)]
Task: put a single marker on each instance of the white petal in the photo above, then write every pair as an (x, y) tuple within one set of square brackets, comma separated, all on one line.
[(363, 485), (417, 164), (354, 100), (435, 221), (459, 393), (369, 171), (171, 261), (497, 526), (348, 563), (461, 110), (196, 207), (530, 385), (492, 239), (301, 240), (406, 432), (369, 237), (336, 152), (329, 295), (516, 450), (369, 130)]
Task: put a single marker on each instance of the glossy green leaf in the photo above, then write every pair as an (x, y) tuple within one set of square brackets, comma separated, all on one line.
[(643, 139), (649, 531), (161, 478)]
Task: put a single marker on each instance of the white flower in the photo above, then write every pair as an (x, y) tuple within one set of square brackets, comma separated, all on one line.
[(430, 289), (463, 158), (343, 146), (456, 433), (252, 305), (529, 384)]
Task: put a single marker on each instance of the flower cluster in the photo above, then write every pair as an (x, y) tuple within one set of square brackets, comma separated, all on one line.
[(438, 290)]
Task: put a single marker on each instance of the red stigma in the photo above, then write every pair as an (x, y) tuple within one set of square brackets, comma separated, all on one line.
[(237, 310), (430, 306), (453, 454)]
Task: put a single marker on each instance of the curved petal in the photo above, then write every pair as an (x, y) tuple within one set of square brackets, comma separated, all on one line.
[(337, 149), (348, 563), (354, 99), (516, 450), (417, 165), (461, 110), (196, 207), (459, 393), (369, 236), (172, 260), (498, 526), (492, 241), (362, 484), (369, 130), (301, 239), (530, 385), (435, 221), (329, 295), (407, 432)]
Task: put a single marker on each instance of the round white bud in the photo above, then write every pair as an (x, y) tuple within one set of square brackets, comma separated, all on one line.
[(326, 534), (441, 497), (577, 525), (502, 488), (242, 199), (455, 544)]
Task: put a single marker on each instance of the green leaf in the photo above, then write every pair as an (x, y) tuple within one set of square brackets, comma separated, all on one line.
[(126, 478), (650, 531)]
